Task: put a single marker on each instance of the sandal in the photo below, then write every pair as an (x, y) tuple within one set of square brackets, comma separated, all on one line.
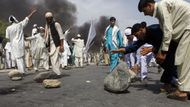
[(176, 96)]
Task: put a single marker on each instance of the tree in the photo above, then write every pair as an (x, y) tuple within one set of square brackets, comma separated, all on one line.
[(3, 26)]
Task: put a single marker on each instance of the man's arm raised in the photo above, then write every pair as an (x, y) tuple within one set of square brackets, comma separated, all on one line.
[(32, 12)]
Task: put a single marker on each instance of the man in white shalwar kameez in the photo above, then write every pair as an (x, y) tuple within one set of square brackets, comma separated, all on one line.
[(130, 58), (28, 56), (34, 32), (45, 55), (55, 41), (65, 55), (39, 47), (9, 58), (15, 34), (78, 50), (174, 19)]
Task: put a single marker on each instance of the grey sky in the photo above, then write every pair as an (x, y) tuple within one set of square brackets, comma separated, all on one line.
[(125, 11)]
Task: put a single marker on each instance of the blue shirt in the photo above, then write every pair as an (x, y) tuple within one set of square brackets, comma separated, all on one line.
[(109, 38), (109, 42)]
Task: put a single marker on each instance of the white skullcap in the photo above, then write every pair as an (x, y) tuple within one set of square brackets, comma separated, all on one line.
[(48, 14), (79, 35), (15, 20), (35, 25), (128, 31), (42, 28)]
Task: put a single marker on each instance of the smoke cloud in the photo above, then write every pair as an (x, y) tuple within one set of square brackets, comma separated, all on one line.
[(100, 30), (64, 11), (100, 27)]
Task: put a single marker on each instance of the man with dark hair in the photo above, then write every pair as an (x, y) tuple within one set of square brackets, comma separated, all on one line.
[(153, 35), (174, 19), (113, 40), (112, 19), (143, 3)]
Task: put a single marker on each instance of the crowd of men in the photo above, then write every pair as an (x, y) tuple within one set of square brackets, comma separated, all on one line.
[(166, 42), (170, 41), (44, 48)]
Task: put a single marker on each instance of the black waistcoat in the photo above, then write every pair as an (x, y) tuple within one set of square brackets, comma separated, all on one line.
[(55, 35)]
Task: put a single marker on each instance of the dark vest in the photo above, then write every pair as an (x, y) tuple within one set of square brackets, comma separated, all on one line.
[(55, 35)]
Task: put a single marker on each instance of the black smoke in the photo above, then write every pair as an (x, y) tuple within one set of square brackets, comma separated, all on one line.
[(14, 7), (84, 30), (100, 27), (63, 10)]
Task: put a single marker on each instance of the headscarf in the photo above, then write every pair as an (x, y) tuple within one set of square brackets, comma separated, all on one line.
[(48, 14), (12, 19)]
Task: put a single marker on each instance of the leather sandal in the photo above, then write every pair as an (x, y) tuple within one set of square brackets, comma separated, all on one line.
[(176, 96)]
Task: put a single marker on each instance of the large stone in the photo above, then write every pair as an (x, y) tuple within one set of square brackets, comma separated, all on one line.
[(119, 79), (16, 78), (45, 75), (14, 73), (51, 83)]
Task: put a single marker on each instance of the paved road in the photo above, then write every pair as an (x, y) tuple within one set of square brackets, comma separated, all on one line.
[(82, 87)]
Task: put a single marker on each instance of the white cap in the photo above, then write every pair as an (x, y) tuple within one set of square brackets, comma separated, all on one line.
[(48, 14), (42, 28), (35, 25), (79, 35), (15, 20), (128, 31)]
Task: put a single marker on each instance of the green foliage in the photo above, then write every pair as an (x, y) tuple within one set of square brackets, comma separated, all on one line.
[(3, 26)]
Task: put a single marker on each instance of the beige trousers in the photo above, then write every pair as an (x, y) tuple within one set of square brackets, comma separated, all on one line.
[(184, 67), (55, 59), (106, 58)]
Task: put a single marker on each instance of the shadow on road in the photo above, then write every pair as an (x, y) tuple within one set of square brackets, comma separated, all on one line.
[(152, 85)]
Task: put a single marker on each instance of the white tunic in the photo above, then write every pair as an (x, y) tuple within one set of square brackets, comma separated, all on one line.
[(8, 54), (15, 33), (174, 18), (78, 47), (28, 59), (39, 45), (8, 47), (65, 55), (34, 32), (54, 51)]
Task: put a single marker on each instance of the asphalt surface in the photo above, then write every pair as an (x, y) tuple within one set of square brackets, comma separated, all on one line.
[(83, 87)]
